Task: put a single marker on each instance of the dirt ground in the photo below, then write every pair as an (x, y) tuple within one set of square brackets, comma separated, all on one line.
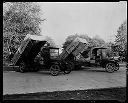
[(106, 86), (118, 94), (33, 82)]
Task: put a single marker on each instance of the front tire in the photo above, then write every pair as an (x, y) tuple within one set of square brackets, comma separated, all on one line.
[(110, 67), (54, 70)]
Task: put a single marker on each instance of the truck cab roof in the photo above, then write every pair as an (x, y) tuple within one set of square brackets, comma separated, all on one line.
[(36, 37), (99, 48)]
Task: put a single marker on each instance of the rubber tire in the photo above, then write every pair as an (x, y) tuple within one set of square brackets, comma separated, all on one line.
[(110, 67), (22, 67), (117, 67), (72, 65), (69, 68), (54, 69)]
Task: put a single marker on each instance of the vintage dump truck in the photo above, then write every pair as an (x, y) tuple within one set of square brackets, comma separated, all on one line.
[(77, 54), (32, 45), (95, 56)]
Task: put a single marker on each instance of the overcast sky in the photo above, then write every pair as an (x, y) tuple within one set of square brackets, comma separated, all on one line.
[(94, 18)]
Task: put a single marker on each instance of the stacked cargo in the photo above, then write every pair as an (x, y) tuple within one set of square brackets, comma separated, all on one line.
[(72, 46), (64, 54), (77, 46), (81, 47), (16, 57)]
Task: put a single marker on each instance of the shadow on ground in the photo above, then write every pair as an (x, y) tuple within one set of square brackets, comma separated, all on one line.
[(118, 94)]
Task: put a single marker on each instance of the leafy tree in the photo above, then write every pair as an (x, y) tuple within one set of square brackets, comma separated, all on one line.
[(93, 42), (110, 49), (121, 37), (19, 19), (51, 41), (70, 38), (97, 41)]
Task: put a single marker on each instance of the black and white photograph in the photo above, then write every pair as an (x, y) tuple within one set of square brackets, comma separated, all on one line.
[(65, 51)]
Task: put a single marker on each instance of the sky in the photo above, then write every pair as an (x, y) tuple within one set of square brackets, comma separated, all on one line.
[(94, 19), (100, 19)]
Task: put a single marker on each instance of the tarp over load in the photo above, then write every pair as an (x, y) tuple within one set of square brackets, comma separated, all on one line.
[(29, 48)]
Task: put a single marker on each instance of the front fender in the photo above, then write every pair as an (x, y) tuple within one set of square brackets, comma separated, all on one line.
[(104, 62)]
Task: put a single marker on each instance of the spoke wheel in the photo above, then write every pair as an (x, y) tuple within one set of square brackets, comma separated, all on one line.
[(110, 67), (22, 67), (54, 70)]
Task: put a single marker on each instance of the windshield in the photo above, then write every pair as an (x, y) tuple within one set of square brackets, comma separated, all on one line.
[(104, 55)]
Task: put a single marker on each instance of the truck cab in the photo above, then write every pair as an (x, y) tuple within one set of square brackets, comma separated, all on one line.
[(98, 57)]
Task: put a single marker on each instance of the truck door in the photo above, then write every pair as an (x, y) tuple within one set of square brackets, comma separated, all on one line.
[(93, 56)]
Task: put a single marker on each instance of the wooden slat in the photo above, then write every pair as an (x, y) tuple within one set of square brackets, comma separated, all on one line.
[(16, 57), (71, 47), (20, 51), (80, 49), (23, 45), (64, 54)]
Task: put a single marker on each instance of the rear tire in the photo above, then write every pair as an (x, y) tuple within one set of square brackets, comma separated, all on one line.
[(117, 67), (54, 69), (22, 67), (69, 68)]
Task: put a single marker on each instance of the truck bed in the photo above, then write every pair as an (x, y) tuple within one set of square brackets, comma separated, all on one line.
[(75, 48), (27, 51)]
